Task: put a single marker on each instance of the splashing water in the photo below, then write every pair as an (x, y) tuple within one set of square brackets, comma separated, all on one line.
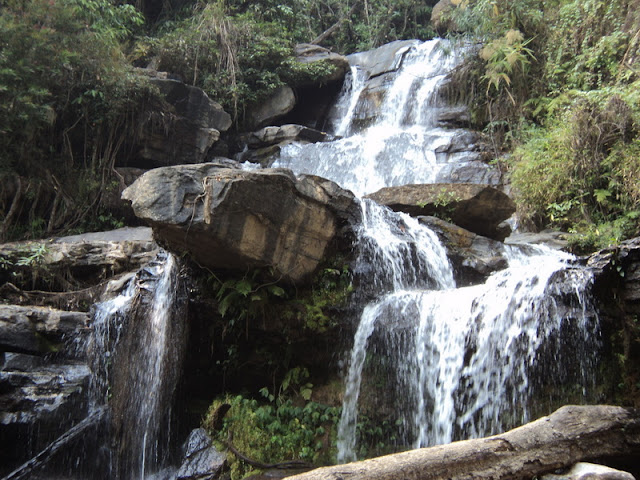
[(455, 362)]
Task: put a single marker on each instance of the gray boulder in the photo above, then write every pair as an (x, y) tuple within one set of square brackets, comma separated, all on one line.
[(590, 471), (201, 460), (281, 102), (473, 257), (237, 219), (475, 207), (40, 330), (185, 129), (286, 133), (384, 59)]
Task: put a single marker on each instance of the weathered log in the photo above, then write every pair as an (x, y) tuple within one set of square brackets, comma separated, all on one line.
[(569, 435)]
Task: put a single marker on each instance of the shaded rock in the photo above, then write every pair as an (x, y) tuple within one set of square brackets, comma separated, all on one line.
[(238, 219), (478, 208), (551, 238), (201, 460), (465, 167), (75, 261), (183, 131), (441, 16), (384, 59), (590, 471), (285, 133), (35, 392), (308, 53), (278, 105), (40, 330), (618, 269), (473, 257)]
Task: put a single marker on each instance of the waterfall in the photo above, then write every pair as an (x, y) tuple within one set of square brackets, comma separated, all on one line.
[(404, 144), (443, 363), (137, 349)]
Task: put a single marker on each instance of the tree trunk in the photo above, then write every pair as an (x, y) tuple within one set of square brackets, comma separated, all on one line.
[(569, 435)]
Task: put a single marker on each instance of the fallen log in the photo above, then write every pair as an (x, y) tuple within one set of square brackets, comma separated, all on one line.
[(569, 435)]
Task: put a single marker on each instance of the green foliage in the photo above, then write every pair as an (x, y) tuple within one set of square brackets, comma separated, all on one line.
[(586, 44), (579, 172), (237, 59), (313, 308), (245, 299), (272, 433), (66, 103), (360, 25)]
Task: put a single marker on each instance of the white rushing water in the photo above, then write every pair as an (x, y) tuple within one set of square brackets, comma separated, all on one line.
[(144, 412), (403, 144), (453, 362)]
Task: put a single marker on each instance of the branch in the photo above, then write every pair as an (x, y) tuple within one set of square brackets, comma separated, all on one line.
[(567, 436)]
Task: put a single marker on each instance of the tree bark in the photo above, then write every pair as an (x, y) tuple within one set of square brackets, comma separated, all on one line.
[(569, 435)]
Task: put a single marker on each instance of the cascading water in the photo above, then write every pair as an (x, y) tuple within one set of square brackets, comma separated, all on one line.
[(137, 350), (455, 362), (405, 144)]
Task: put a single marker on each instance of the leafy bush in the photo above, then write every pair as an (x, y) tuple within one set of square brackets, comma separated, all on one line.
[(579, 172), (66, 106), (275, 432)]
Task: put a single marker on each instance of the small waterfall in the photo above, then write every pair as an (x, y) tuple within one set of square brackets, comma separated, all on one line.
[(441, 363), (404, 144), (465, 361), (346, 105), (137, 350)]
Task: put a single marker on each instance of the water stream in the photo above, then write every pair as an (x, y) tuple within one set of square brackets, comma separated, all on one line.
[(446, 363), (138, 323)]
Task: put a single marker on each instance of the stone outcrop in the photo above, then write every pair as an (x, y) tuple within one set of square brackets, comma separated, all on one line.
[(281, 102), (308, 53), (384, 59), (264, 145), (236, 219), (473, 257), (441, 16), (201, 460), (44, 335), (478, 208), (70, 263), (286, 133), (185, 128)]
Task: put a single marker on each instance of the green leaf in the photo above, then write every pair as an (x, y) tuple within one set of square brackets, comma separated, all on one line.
[(243, 287)]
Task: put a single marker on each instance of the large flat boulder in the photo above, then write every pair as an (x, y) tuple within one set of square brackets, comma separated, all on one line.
[(236, 219), (478, 208)]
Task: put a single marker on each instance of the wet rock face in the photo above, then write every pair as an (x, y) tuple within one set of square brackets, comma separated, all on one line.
[(478, 208), (43, 377), (236, 219), (473, 257), (44, 337)]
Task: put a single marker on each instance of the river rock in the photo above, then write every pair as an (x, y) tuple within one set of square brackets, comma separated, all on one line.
[(473, 257), (384, 59), (478, 208), (238, 219), (73, 262), (285, 133), (590, 471), (40, 330), (185, 128), (201, 460), (281, 102), (550, 238)]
